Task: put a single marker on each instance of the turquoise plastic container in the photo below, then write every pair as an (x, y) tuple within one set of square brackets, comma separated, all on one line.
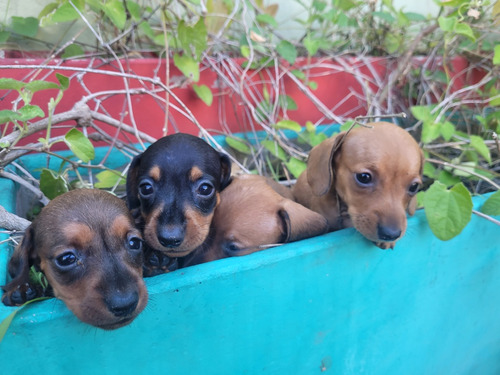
[(335, 304)]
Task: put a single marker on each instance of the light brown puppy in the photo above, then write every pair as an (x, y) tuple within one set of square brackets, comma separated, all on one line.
[(368, 179), (256, 213), (86, 245)]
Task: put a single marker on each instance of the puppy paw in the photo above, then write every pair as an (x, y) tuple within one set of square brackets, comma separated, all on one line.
[(156, 263), (385, 245), (21, 294)]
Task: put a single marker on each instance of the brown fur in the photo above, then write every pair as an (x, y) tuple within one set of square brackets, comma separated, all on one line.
[(103, 286), (377, 210), (252, 215)]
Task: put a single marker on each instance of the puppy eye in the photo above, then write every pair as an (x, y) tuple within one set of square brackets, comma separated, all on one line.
[(364, 178), (134, 243), (205, 189), (66, 260), (413, 189), (146, 189), (231, 247)]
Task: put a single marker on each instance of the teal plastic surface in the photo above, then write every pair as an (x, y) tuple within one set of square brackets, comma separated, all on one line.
[(334, 304)]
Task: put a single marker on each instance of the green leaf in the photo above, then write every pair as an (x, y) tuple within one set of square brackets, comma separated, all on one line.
[(287, 51), (479, 145), (29, 112), (447, 24), (193, 39), (430, 131), (447, 211), (4, 36), (80, 145), (11, 84), (386, 16), (238, 144), (296, 166), (109, 179), (115, 11), (72, 50), (63, 81), (447, 130), (492, 205), (312, 45), (52, 185), (245, 51), (345, 5), (26, 26), (135, 10), (287, 102), (35, 86), (313, 85), (421, 112), (188, 66), (464, 29), (267, 19), (6, 115), (204, 93), (275, 149), (288, 124), (64, 13), (299, 74), (496, 56)]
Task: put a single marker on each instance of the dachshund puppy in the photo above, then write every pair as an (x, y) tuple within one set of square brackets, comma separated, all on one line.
[(256, 213), (86, 245), (172, 191), (366, 178)]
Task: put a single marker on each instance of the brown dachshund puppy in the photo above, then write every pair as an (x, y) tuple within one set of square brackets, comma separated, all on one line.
[(172, 191), (255, 213), (86, 245), (368, 179)]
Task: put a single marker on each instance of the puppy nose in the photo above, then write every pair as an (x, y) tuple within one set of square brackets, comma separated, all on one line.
[(171, 237), (122, 304), (388, 233)]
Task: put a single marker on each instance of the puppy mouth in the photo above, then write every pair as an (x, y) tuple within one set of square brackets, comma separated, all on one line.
[(116, 324)]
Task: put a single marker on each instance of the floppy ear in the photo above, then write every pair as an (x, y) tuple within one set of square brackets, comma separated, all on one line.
[(320, 173), (133, 201), (300, 222), (412, 204), (21, 260), (225, 164)]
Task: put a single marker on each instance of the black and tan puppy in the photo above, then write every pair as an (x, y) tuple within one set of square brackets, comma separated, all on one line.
[(256, 213), (367, 179), (172, 191), (86, 245)]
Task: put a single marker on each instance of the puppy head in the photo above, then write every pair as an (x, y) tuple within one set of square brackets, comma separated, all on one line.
[(173, 189), (86, 245), (252, 215), (376, 171)]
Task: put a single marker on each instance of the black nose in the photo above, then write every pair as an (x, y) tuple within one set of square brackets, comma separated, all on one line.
[(171, 237), (388, 233), (123, 303)]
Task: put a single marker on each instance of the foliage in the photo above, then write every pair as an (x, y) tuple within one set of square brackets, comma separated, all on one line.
[(457, 126)]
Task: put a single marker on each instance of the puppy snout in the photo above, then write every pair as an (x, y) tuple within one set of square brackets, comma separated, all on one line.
[(388, 233), (123, 304), (171, 237)]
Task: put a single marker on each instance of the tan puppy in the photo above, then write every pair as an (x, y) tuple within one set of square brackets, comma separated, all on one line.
[(367, 179), (86, 245), (256, 213)]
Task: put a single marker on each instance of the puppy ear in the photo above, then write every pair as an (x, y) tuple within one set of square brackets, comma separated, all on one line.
[(132, 187), (300, 222), (22, 259), (413, 203), (320, 173), (225, 164), (412, 206)]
